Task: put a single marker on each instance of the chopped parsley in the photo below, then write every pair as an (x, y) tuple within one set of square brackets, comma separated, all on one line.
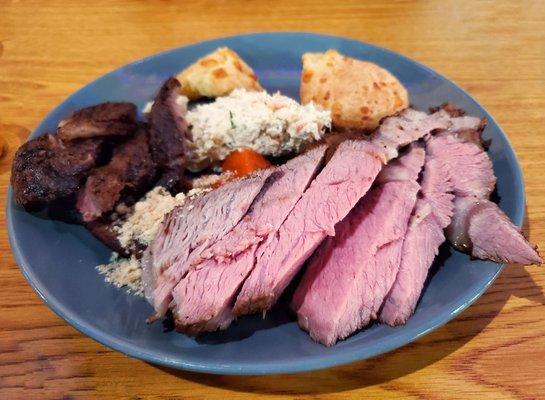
[(233, 126)]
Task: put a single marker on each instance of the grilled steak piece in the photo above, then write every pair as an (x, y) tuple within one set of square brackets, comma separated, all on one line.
[(130, 170), (104, 230), (46, 169), (351, 273), (174, 180), (105, 119), (189, 229), (479, 227), (204, 298), (168, 133), (431, 215), (330, 197)]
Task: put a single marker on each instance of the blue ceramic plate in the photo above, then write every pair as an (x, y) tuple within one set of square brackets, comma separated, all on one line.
[(59, 259)]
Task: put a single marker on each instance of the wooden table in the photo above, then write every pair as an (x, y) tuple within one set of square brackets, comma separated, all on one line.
[(495, 50)]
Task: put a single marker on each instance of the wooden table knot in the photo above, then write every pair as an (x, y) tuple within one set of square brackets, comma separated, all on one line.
[(3, 147)]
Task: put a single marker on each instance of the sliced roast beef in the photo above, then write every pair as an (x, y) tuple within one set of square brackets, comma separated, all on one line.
[(479, 227), (482, 229), (469, 128), (406, 127), (420, 247), (405, 168), (348, 277), (46, 169), (131, 169), (494, 237), (437, 190), (168, 133), (190, 229), (203, 299), (450, 108), (387, 261), (472, 171), (464, 126), (332, 140), (106, 119), (388, 257), (330, 197), (457, 231), (268, 279), (432, 213)]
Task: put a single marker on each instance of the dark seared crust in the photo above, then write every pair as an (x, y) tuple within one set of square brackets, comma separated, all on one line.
[(450, 108), (473, 136), (104, 231), (174, 180), (470, 135), (257, 305), (190, 330), (130, 170), (168, 128), (105, 119), (261, 304), (454, 111), (168, 134), (45, 169)]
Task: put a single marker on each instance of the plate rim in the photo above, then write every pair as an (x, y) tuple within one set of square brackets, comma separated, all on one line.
[(301, 365)]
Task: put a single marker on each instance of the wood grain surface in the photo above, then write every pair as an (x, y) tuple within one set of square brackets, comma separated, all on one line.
[(494, 49)]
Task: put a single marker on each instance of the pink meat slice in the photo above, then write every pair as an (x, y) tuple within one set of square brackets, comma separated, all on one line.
[(203, 299), (388, 257), (348, 277), (471, 170), (405, 168), (437, 190), (432, 213), (420, 247), (386, 263), (337, 293), (277, 263), (343, 181), (406, 127), (494, 237), (192, 227), (479, 227)]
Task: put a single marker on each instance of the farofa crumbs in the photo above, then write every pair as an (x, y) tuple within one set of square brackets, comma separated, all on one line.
[(140, 228)]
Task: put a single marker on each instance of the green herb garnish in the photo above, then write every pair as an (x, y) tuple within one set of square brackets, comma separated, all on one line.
[(233, 126)]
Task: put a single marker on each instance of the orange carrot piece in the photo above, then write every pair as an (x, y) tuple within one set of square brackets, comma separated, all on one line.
[(244, 161)]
